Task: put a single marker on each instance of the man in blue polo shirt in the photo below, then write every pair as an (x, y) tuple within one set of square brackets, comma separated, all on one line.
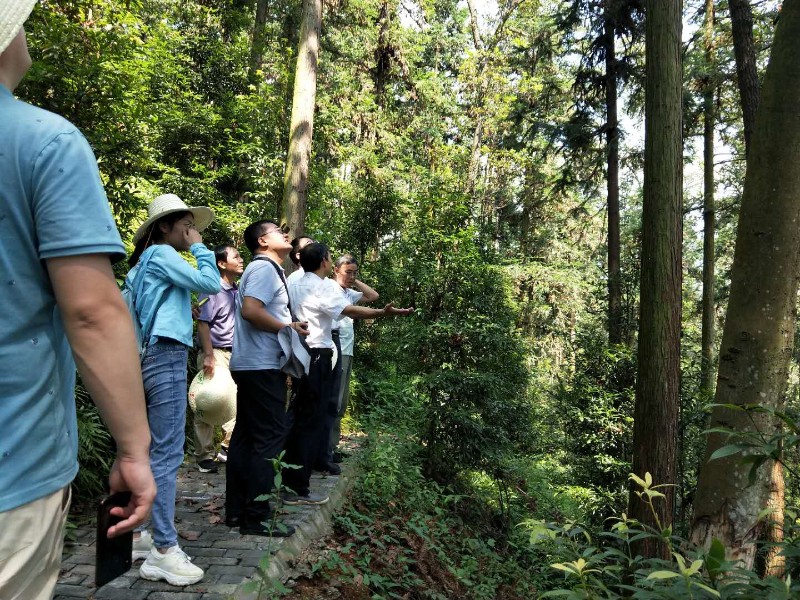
[(60, 300), (262, 309)]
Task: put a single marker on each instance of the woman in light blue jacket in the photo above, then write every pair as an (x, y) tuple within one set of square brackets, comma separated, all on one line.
[(162, 302)]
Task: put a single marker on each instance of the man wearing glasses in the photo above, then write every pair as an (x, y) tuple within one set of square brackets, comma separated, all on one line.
[(262, 309)]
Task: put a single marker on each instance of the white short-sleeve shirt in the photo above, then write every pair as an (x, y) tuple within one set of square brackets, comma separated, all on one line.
[(320, 302)]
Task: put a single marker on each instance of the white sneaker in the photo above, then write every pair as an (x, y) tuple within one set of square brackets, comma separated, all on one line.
[(142, 546), (174, 567)]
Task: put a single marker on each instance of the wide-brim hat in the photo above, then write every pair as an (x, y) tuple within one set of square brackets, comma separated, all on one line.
[(213, 399), (167, 204), (13, 14)]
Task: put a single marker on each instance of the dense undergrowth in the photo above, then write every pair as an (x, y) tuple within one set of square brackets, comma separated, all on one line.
[(403, 536)]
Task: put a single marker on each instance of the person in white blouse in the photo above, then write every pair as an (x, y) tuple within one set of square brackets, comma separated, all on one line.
[(345, 273), (319, 301)]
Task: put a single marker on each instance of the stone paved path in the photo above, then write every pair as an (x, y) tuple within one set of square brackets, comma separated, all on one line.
[(228, 558)]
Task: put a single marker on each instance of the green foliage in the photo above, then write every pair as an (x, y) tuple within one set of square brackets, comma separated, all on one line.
[(261, 585), (407, 540), (595, 409), (607, 565), (95, 453), (457, 366)]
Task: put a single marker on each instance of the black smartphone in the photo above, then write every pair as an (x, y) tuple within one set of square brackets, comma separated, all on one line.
[(113, 554)]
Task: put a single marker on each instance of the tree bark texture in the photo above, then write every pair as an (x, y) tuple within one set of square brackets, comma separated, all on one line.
[(746, 69), (295, 182), (709, 314), (749, 92), (658, 382), (758, 336), (773, 563), (612, 182), (259, 38), (477, 132)]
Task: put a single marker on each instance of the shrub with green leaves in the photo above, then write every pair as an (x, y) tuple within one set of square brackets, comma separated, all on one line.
[(606, 564), (460, 357), (403, 536), (95, 452)]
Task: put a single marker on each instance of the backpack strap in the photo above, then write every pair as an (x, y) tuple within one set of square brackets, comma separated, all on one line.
[(282, 277)]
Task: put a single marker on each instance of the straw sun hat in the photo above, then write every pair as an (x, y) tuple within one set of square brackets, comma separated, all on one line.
[(169, 203), (13, 13)]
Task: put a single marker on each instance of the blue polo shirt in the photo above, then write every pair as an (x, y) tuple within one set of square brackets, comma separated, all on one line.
[(52, 204), (255, 349)]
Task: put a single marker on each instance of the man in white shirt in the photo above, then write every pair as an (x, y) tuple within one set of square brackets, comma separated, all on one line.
[(318, 301)]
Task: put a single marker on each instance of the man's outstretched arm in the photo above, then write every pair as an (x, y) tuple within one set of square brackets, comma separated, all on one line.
[(100, 331), (364, 312)]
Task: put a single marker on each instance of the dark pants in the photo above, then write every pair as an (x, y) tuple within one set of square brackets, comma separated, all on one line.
[(311, 399), (325, 451), (259, 436)]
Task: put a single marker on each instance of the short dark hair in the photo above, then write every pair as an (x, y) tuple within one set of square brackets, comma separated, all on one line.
[(255, 231), (311, 256), (296, 248), (221, 253)]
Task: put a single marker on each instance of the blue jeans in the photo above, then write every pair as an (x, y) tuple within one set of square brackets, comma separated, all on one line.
[(164, 375)]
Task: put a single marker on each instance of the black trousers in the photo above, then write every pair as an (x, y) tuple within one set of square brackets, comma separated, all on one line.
[(325, 450), (311, 397), (262, 425)]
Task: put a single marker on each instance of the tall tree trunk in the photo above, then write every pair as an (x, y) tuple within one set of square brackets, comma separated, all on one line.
[(758, 337), (612, 181), (383, 55), (658, 382), (478, 107), (750, 93), (295, 181), (746, 68), (259, 38), (709, 315), (290, 38)]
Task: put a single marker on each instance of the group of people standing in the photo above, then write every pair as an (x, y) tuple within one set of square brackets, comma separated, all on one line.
[(239, 328), (64, 309)]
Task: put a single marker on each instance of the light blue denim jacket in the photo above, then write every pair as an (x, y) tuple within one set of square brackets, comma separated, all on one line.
[(165, 299)]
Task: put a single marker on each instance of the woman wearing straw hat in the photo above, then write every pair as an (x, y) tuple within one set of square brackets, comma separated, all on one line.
[(162, 303)]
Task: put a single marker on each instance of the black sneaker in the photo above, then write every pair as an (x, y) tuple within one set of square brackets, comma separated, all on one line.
[(233, 522), (331, 468), (309, 499), (207, 466)]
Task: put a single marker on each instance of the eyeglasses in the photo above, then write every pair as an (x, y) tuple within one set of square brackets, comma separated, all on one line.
[(283, 229)]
